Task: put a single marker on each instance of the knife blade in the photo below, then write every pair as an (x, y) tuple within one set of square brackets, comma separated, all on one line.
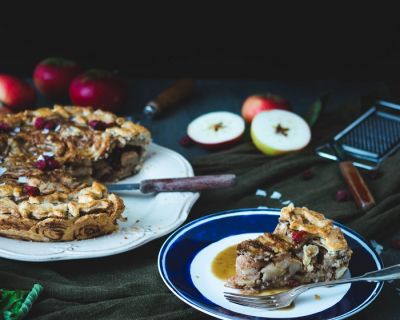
[(190, 184)]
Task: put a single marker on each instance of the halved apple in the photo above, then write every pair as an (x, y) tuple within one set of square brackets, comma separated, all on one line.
[(216, 130), (277, 132)]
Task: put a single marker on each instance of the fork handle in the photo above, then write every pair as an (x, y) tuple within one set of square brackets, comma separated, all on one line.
[(385, 274)]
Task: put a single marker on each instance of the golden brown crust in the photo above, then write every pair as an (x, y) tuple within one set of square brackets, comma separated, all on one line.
[(78, 214), (266, 242), (73, 142), (64, 203), (303, 219)]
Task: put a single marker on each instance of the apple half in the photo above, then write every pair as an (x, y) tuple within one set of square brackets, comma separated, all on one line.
[(216, 130), (277, 132)]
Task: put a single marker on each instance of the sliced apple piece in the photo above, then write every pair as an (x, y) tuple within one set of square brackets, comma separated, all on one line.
[(277, 132), (216, 130)]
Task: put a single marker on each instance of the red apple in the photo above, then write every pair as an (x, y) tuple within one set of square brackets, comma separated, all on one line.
[(258, 103), (98, 89), (216, 130), (52, 76), (15, 93)]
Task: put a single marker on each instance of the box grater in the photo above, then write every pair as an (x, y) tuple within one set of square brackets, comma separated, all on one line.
[(368, 140)]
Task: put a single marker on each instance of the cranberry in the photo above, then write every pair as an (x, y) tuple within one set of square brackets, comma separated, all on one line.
[(47, 163), (4, 127), (308, 174), (342, 195), (50, 125), (186, 142), (99, 125), (40, 164), (31, 191), (375, 174), (51, 163), (39, 123), (298, 236), (395, 243), (293, 283)]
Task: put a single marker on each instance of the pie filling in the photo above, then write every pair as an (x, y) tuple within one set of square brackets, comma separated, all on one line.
[(121, 163), (288, 258)]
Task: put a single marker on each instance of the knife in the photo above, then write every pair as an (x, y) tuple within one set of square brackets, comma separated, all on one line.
[(191, 184), (178, 91)]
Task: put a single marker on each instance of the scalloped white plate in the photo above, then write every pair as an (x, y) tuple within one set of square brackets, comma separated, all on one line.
[(149, 217)]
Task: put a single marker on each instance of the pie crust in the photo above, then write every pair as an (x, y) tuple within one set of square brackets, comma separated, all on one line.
[(305, 247), (49, 170)]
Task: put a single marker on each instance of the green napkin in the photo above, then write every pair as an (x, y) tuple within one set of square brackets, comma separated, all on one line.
[(15, 304)]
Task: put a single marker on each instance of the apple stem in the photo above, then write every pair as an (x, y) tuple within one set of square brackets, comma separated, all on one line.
[(281, 130)]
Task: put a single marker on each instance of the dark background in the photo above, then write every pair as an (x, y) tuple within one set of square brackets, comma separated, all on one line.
[(251, 40)]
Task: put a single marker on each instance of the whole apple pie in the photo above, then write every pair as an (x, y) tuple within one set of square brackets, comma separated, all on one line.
[(50, 163), (305, 247)]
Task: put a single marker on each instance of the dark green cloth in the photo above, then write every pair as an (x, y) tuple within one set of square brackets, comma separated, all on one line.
[(128, 286)]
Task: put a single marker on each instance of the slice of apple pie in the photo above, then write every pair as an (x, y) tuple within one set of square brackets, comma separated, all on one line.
[(304, 247)]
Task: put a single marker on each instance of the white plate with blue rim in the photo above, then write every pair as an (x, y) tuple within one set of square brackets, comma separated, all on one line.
[(185, 264)]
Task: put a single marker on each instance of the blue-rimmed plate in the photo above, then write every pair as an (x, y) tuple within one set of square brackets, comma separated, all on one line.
[(186, 257)]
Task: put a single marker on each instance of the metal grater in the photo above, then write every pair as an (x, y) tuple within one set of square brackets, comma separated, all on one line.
[(369, 140)]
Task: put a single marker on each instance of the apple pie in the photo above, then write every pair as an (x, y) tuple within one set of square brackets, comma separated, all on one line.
[(50, 163), (305, 247)]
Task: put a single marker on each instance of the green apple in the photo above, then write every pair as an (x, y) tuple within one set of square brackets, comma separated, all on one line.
[(277, 132)]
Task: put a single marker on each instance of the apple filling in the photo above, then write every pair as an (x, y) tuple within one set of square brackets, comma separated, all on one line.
[(121, 163)]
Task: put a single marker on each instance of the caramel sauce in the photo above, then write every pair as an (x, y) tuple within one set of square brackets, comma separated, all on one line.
[(223, 265)]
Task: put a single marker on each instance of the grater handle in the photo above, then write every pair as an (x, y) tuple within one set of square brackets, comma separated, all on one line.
[(359, 189)]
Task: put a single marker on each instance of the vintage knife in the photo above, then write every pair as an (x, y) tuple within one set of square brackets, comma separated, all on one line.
[(191, 184)]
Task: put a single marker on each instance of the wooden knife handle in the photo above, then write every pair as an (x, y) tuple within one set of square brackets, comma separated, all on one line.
[(188, 184), (180, 90), (361, 194)]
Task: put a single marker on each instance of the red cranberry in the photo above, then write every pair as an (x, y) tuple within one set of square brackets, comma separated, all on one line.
[(47, 163), (39, 123), (375, 174), (342, 195), (395, 243), (40, 164), (50, 125), (298, 236), (99, 125), (308, 174), (4, 127), (186, 142), (51, 163), (31, 191), (293, 283)]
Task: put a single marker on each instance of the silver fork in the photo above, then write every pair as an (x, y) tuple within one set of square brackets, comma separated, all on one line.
[(284, 299)]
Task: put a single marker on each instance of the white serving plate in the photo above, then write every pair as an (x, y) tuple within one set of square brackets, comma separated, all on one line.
[(149, 217)]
